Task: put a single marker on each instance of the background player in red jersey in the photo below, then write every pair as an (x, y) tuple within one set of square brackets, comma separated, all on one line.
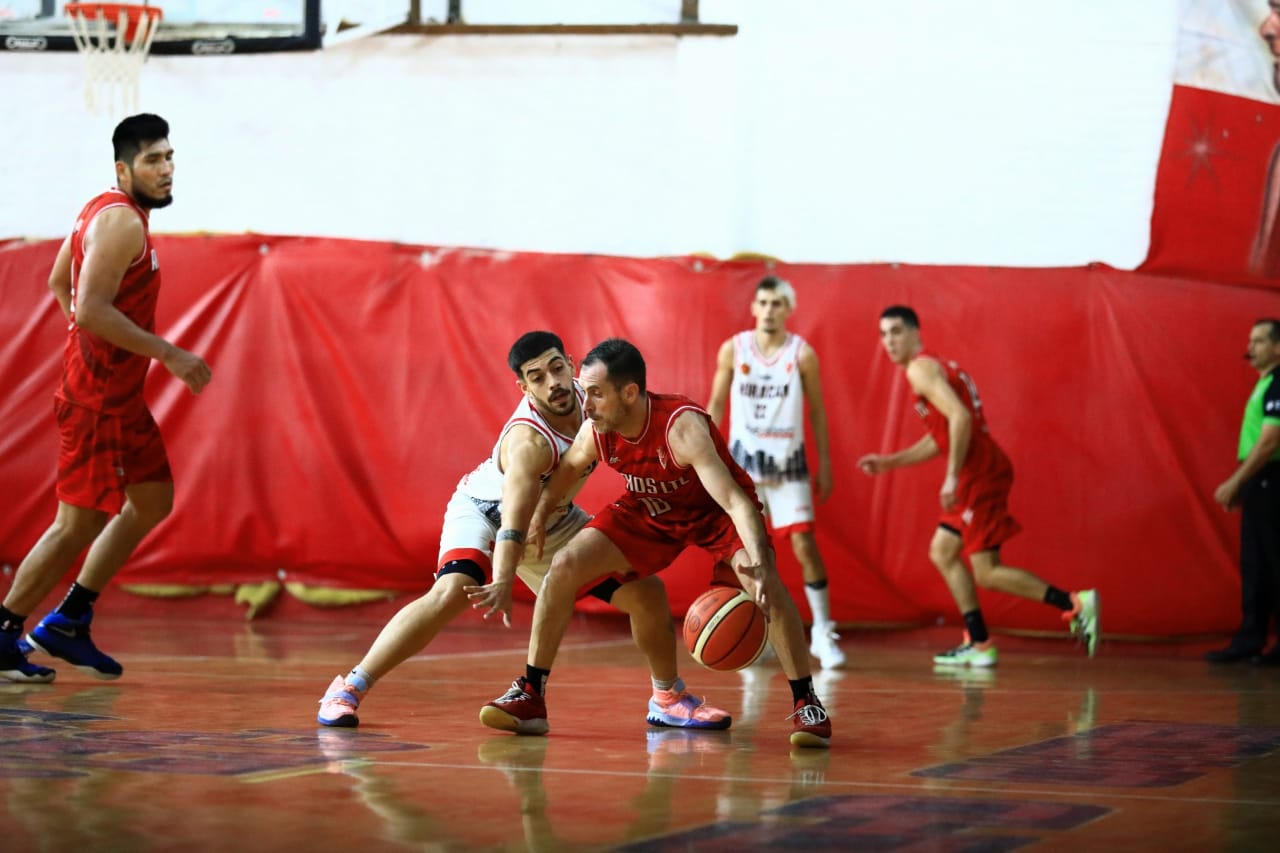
[(683, 488), (974, 495), (106, 278)]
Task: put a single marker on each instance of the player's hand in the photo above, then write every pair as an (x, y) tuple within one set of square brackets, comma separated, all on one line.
[(825, 482), (188, 367), (947, 494), (1227, 495), (492, 598), (872, 464), (759, 574)]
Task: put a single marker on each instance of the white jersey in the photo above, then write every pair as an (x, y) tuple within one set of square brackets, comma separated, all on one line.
[(474, 513), (484, 484), (766, 410)]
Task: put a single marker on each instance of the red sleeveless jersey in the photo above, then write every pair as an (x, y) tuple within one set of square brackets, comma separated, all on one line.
[(671, 495), (96, 374), (984, 456)]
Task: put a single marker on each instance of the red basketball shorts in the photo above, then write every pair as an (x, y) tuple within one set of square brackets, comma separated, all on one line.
[(650, 543), (981, 513), (100, 454)]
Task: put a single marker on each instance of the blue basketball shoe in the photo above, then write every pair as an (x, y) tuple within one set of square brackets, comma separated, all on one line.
[(14, 665), (69, 639)]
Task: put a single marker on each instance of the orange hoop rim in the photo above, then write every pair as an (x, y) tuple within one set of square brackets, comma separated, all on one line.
[(133, 13)]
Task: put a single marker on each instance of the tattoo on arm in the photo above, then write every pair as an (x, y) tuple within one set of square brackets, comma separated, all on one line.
[(510, 533)]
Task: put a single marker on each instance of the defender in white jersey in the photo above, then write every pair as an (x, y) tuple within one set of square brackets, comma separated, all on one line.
[(484, 528), (769, 376)]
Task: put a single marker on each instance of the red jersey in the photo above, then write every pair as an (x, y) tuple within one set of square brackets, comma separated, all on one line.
[(985, 456), (96, 374), (671, 495)]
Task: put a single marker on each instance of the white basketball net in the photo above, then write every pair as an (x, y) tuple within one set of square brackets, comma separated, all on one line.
[(112, 66)]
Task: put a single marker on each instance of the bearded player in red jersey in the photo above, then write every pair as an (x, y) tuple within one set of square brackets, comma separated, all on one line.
[(113, 478), (683, 488), (975, 517)]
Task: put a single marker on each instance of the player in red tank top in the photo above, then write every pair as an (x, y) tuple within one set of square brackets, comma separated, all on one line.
[(975, 518), (682, 488), (106, 278), (97, 374)]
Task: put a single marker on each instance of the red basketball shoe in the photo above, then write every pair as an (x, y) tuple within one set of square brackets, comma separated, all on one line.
[(521, 710), (812, 726)]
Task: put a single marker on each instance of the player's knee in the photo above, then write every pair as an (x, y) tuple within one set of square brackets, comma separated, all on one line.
[(805, 547), (941, 556), (149, 507), (567, 568), (77, 530), (647, 595), (447, 592)]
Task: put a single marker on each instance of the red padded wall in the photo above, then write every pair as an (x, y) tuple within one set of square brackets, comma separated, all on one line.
[(354, 382)]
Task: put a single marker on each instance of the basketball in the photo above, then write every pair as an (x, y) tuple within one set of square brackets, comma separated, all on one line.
[(724, 629)]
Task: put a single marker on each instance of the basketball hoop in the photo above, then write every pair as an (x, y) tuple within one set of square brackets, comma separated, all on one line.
[(114, 39)]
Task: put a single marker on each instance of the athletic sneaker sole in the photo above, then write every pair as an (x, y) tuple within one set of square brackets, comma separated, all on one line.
[(83, 667), (17, 676), (809, 740), (496, 718), (664, 722)]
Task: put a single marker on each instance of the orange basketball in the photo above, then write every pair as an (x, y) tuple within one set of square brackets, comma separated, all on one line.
[(724, 629)]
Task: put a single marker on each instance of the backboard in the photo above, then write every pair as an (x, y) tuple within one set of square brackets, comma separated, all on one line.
[(194, 27)]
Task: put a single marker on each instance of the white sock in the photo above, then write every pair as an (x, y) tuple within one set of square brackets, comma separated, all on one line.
[(820, 607)]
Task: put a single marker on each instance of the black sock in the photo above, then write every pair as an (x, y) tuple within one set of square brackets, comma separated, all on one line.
[(537, 678), (801, 688), (1058, 598), (78, 602), (10, 621), (976, 627)]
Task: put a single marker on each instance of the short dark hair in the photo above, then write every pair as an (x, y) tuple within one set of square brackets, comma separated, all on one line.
[(903, 313), (780, 287), (531, 345), (1274, 334), (622, 361), (135, 132)]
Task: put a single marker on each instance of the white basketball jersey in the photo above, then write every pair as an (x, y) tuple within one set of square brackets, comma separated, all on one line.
[(484, 484), (766, 410)]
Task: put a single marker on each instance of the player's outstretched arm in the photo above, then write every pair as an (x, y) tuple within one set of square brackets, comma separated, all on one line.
[(878, 463), (525, 455)]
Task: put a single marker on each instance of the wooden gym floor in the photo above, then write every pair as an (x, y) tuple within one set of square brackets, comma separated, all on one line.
[(209, 742)]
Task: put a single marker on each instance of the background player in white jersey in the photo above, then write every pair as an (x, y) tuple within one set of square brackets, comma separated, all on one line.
[(485, 524), (769, 375)]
